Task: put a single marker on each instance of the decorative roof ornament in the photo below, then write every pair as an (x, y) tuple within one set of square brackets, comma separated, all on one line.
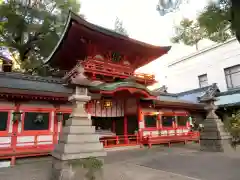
[(210, 93), (162, 89), (79, 77), (168, 6)]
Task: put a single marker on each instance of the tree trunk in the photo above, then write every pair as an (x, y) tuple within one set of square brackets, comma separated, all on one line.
[(196, 46)]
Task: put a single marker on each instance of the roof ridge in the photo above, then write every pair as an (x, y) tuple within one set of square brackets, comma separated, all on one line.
[(193, 90), (228, 92), (29, 77)]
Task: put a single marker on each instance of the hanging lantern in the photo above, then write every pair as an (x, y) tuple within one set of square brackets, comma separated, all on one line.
[(59, 116), (107, 104), (17, 116)]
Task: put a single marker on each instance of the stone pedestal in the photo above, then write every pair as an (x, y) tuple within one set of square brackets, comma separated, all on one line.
[(77, 142), (213, 137)]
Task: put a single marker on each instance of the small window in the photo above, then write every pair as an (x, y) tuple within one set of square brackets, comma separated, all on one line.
[(65, 117), (203, 80), (167, 121), (3, 121), (150, 121), (232, 75), (182, 120), (36, 121)]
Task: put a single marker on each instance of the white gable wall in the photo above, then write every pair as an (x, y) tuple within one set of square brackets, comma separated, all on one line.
[(183, 73)]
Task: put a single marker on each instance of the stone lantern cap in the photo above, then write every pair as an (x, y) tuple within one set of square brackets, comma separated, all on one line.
[(210, 94)]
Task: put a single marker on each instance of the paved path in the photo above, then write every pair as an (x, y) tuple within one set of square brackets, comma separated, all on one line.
[(145, 164)]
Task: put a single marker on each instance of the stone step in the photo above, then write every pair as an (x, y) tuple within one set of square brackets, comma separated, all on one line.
[(78, 122), (80, 147), (78, 129), (80, 138), (79, 115), (69, 156)]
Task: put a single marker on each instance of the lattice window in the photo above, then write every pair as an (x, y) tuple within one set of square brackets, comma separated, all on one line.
[(203, 80), (3, 121), (167, 121), (182, 120), (150, 121), (232, 75), (36, 121), (65, 117)]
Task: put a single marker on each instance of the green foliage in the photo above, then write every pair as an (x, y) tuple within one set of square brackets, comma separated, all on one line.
[(92, 164), (215, 20), (188, 32), (33, 29), (235, 18), (168, 6), (118, 27), (232, 125), (212, 23)]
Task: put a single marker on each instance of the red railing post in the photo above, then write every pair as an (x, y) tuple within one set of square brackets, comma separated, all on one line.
[(117, 140)]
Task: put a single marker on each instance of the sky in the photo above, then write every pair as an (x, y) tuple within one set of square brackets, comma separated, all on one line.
[(143, 22)]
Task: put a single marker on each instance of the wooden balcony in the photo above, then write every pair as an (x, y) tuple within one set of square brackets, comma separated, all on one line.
[(143, 78), (109, 72)]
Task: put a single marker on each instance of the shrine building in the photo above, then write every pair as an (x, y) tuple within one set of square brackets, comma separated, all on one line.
[(125, 112)]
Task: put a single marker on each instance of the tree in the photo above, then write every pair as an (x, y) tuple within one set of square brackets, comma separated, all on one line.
[(215, 20), (235, 18), (32, 28), (188, 32), (118, 27), (212, 23), (232, 125), (168, 6), (220, 18)]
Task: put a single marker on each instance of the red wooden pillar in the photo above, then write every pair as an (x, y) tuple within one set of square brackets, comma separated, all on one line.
[(160, 120), (55, 125), (125, 128), (140, 119), (15, 125)]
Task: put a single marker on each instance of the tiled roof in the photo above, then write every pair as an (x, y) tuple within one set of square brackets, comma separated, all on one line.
[(224, 99), (22, 82), (190, 96), (33, 83), (229, 92), (228, 100)]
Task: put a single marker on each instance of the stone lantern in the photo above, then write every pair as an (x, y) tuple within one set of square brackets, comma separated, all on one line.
[(213, 137), (79, 147)]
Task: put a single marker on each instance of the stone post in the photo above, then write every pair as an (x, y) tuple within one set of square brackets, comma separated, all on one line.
[(213, 137), (78, 144)]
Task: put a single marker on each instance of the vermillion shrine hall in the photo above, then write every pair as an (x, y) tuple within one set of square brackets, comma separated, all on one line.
[(34, 109)]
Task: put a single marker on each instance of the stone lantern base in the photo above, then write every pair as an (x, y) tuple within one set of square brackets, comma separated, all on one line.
[(214, 138)]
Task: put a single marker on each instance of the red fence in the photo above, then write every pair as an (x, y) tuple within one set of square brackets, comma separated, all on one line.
[(114, 141), (13, 148), (171, 138)]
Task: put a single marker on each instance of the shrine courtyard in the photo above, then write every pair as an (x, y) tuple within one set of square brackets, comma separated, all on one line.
[(176, 163)]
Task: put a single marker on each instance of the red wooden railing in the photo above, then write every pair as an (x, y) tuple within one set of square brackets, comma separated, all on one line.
[(114, 141), (12, 149)]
